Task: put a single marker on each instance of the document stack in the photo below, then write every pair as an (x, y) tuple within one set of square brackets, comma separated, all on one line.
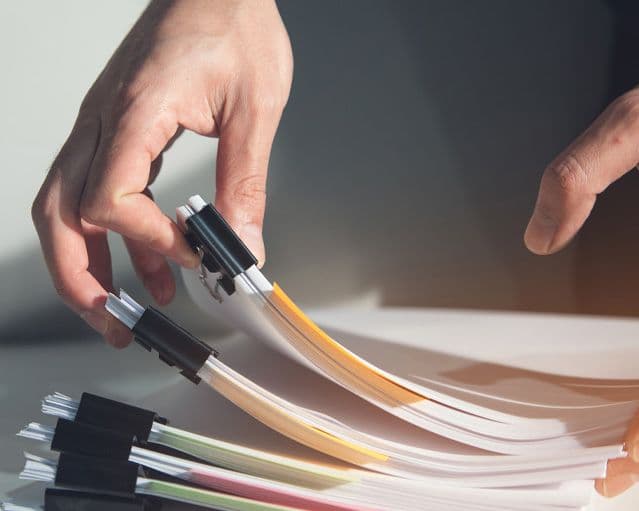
[(402, 437)]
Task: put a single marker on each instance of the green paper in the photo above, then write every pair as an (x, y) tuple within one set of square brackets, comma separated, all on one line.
[(215, 500), (246, 460)]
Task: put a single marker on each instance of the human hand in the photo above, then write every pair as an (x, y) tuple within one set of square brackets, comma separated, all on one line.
[(221, 68), (606, 151), (569, 187), (622, 473)]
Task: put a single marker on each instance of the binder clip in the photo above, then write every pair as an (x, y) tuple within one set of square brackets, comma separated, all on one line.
[(154, 331), (224, 255), (57, 499), (117, 478), (109, 414), (88, 440)]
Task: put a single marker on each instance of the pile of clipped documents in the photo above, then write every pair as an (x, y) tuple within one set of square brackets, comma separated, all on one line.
[(404, 436)]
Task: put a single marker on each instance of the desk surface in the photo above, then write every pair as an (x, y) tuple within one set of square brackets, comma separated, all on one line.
[(28, 372)]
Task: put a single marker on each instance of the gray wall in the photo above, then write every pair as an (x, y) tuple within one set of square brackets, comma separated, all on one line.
[(404, 170)]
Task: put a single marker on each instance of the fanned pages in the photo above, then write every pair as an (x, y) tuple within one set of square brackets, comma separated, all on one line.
[(391, 422), (408, 427), (485, 422), (422, 455)]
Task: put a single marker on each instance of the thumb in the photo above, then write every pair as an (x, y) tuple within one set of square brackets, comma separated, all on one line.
[(569, 186), (242, 166)]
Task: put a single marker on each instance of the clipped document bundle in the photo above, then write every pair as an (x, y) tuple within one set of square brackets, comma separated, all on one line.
[(406, 437), (119, 457)]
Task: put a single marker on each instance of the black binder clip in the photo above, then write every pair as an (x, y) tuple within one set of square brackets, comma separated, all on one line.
[(89, 440), (223, 253), (58, 499), (106, 476), (153, 330), (114, 443), (109, 414)]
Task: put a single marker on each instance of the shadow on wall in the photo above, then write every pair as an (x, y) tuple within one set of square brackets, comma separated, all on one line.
[(407, 161)]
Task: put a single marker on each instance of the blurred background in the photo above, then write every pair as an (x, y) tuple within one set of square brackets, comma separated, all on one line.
[(403, 174), (405, 167)]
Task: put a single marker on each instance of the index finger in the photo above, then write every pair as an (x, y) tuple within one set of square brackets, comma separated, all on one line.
[(243, 155), (570, 185), (114, 196), (55, 215)]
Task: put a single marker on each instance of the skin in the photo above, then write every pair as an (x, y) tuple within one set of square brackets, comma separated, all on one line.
[(569, 187), (223, 68), (220, 68)]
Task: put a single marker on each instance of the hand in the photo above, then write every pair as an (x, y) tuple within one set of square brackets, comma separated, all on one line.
[(569, 187), (621, 474), (221, 68)]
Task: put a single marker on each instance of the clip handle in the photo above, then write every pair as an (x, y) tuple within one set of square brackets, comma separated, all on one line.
[(154, 331), (89, 440), (175, 346), (127, 419), (224, 251), (112, 477)]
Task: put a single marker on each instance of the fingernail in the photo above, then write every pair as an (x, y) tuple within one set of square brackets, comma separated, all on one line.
[(97, 321), (540, 233), (251, 235)]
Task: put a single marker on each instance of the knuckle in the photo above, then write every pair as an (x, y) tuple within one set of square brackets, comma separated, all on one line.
[(124, 108), (88, 107), (61, 289), (63, 285), (149, 121), (627, 107), (97, 209), (127, 91), (66, 288), (266, 102), (42, 207), (569, 174), (38, 209), (249, 192)]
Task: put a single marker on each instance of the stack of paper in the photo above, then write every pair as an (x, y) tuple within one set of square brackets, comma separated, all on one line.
[(407, 421), (257, 480), (404, 434)]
